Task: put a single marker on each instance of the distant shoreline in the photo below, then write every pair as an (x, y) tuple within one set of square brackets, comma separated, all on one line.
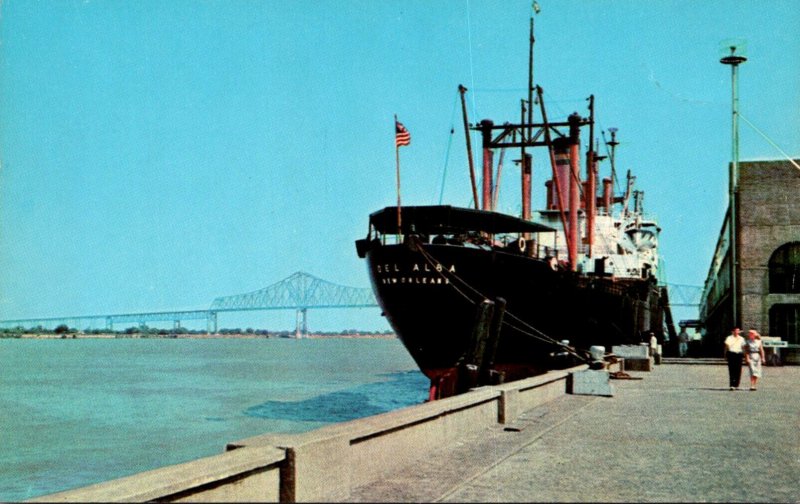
[(199, 336)]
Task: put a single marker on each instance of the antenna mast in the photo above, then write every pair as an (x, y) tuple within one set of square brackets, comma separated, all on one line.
[(532, 40), (526, 160), (613, 144)]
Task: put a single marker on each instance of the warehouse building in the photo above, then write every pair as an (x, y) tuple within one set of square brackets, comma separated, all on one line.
[(766, 270)]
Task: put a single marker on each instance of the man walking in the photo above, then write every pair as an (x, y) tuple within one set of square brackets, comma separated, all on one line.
[(734, 349), (683, 342)]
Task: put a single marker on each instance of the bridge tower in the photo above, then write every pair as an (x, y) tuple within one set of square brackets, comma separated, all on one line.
[(301, 328)]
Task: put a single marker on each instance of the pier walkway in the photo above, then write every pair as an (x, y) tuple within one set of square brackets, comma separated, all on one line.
[(675, 435)]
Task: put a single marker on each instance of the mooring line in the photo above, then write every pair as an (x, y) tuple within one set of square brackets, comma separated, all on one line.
[(541, 336)]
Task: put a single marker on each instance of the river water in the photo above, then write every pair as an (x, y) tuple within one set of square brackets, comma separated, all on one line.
[(79, 411)]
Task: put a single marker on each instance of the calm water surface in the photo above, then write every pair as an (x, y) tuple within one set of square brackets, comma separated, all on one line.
[(77, 412)]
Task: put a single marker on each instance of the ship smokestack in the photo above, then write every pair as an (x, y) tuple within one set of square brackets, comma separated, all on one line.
[(561, 178), (607, 188)]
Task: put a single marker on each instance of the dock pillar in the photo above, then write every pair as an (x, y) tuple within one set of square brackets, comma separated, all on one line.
[(472, 362)]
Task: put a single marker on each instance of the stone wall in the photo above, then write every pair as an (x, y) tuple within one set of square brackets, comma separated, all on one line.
[(769, 217)]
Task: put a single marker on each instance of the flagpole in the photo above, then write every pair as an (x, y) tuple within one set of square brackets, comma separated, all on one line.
[(397, 159)]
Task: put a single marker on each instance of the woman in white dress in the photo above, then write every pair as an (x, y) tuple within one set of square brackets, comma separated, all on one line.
[(754, 356)]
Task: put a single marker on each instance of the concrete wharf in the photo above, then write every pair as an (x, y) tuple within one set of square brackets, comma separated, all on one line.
[(677, 435)]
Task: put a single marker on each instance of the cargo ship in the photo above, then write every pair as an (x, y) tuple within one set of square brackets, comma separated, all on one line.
[(479, 296)]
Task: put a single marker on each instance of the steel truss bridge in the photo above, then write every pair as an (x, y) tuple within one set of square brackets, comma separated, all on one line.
[(684, 295), (300, 292)]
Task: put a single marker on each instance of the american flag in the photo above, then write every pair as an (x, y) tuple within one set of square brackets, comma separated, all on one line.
[(401, 135)]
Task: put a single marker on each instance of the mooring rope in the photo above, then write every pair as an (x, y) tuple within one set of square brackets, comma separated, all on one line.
[(527, 330)]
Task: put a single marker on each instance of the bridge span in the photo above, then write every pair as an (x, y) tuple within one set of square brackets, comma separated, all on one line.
[(299, 291)]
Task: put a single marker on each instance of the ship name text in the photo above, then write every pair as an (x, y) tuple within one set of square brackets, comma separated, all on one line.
[(394, 273), (396, 268)]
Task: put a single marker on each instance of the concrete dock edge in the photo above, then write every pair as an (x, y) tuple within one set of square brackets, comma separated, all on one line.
[(327, 463)]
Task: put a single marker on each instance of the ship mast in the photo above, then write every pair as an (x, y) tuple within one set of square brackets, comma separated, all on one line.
[(564, 151), (608, 183), (462, 90), (590, 198), (573, 146), (532, 40), (526, 161)]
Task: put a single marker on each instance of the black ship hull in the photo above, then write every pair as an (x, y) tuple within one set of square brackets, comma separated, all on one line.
[(431, 294)]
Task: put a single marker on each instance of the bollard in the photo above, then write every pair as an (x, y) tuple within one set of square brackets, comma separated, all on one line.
[(487, 359)]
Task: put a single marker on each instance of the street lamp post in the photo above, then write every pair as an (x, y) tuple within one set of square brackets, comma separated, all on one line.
[(734, 60)]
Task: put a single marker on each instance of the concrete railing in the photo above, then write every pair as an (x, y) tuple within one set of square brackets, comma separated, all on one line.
[(325, 464), (238, 476)]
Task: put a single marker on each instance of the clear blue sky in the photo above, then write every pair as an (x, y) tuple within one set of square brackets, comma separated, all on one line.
[(156, 155)]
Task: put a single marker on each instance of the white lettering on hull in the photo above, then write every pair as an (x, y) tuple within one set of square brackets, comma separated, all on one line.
[(416, 273)]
